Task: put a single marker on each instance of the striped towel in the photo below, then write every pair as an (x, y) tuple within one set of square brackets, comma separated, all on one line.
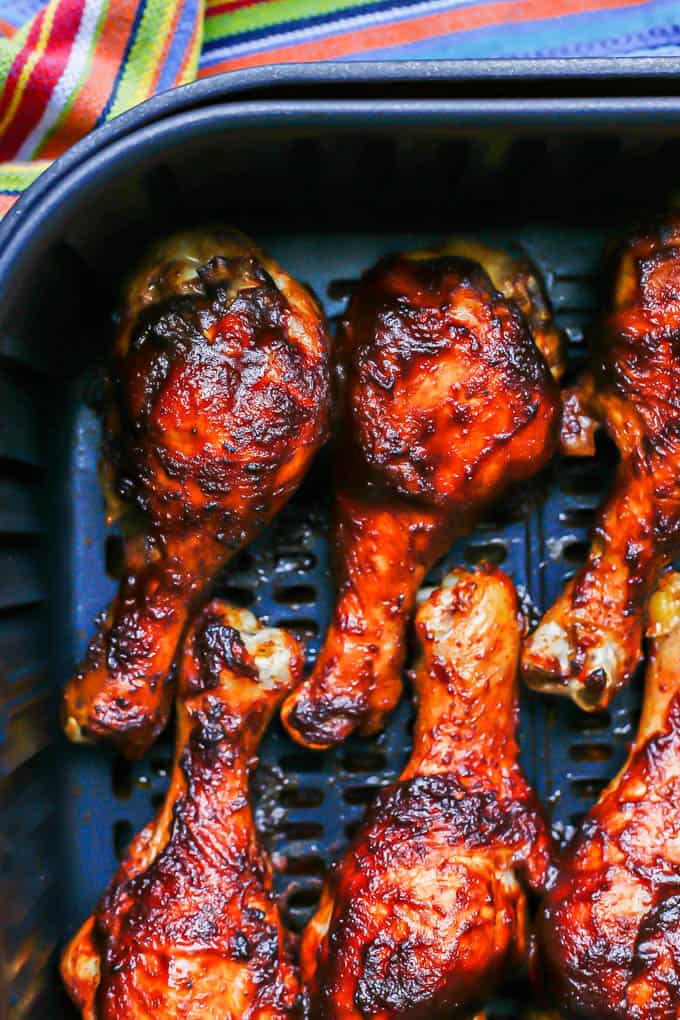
[(68, 65)]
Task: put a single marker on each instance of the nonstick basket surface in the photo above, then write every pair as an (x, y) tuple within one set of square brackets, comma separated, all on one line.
[(326, 200)]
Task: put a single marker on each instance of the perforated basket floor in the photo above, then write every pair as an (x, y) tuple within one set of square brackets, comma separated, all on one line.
[(309, 804)]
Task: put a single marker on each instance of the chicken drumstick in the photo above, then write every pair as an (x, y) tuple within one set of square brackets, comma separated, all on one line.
[(428, 909), (448, 400), (189, 927), (609, 927), (589, 642), (218, 398)]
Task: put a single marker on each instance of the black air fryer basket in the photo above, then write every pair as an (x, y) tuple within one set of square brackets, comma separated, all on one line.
[(328, 167)]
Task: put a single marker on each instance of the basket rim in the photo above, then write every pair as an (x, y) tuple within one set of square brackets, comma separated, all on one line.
[(270, 79)]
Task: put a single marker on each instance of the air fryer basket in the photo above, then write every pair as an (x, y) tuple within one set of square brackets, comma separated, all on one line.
[(327, 186)]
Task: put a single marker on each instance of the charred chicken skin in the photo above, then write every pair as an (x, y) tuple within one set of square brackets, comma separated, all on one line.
[(189, 927), (589, 642), (218, 398), (609, 928), (448, 399), (428, 910)]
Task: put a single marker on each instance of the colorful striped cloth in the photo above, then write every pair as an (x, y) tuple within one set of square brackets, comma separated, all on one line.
[(68, 65)]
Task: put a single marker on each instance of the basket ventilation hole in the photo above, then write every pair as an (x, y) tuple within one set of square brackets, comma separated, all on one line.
[(590, 752), (588, 788), (296, 595), (581, 478), (161, 767), (300, 762), (121, 778), (364, 761), (341, 289), (512, 511), (241, 597), (304, 899), (302, 830), (114, 556), (576, 552), (594, 722), (301, 797), (305, 864), (242, 562), (122, 837), (299, 906), (303, 629), (361, 794), (578, 517), (352, 828)]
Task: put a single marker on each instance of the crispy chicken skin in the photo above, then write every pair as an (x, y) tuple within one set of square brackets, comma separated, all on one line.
[(609, 928), (218, 398), (448, 400), (428, 910), (515, 276), (189, 928), (589, 642)]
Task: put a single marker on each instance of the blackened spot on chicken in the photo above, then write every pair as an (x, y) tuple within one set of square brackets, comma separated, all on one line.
[(470, 819), (664, 917), (267, 945), (241, 949), (393, 977), (312, 719), (219, 647)]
